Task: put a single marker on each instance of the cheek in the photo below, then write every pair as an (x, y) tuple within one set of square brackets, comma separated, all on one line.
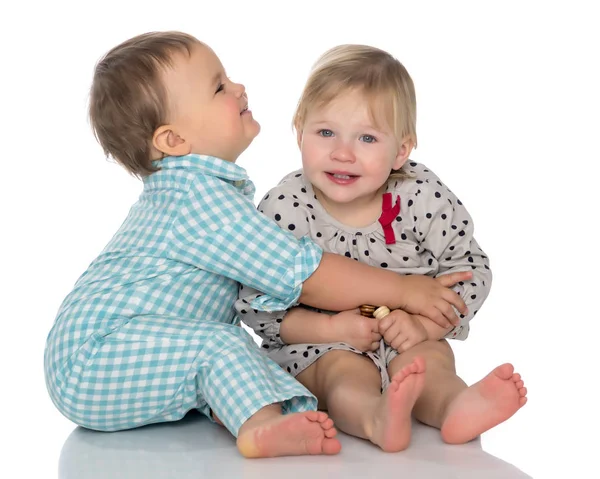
[(232, 109), (312, 151), (380, 162)]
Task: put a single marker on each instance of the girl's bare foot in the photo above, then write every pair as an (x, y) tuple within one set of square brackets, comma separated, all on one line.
[(392, 423), (484, 405), (303, 433)]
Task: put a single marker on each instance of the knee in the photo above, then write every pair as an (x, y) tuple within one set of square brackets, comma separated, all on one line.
[(334, 364), (436, 353)]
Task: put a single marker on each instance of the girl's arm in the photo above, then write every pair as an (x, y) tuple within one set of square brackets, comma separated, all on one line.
[(300, 325), (448, 235)]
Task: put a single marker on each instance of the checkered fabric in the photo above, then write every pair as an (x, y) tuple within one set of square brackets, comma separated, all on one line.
[(149, 331)]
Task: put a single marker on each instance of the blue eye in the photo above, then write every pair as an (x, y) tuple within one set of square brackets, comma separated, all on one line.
[(369, 138), (325, 133)]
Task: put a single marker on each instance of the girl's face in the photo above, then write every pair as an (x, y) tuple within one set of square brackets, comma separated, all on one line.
[(345, 155)]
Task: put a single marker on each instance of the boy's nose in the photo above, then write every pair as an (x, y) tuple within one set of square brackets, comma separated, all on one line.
[(240, 90)]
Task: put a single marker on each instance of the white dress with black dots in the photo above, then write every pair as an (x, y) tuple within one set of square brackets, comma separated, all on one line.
[(431, 234)]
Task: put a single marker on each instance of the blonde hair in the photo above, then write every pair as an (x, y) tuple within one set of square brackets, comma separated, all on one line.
[(128, 100), (384, 81)]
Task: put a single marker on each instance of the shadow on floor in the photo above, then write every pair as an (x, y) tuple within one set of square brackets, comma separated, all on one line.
[(195, 448)]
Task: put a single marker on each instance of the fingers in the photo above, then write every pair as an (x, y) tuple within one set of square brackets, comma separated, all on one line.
[(375, 337), (407, 341), (455, 300), (384, 324), (398, 341), (448, 312), (392, 334), (449, 280), (436, 315), (374, 346), (406, 345)]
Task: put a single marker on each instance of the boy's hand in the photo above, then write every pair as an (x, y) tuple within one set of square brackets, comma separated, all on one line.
[(352, 328), (402, 330), (433, 299)]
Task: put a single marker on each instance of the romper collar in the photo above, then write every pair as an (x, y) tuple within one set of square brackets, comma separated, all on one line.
[(210, 166)]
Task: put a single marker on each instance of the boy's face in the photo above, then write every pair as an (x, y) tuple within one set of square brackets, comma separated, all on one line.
[(208, 112), (345, 155)]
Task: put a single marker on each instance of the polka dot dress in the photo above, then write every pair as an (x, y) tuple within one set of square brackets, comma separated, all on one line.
[(428, 231)]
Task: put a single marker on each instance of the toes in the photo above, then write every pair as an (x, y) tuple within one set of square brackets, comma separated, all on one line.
[(516, 377), (331, 446), (519, 384), (330, 432), (504, 371), (523, 391), (522, 401), (328, 424), (321, 416)]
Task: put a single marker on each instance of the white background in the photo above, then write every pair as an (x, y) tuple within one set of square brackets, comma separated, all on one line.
[(508, 117)]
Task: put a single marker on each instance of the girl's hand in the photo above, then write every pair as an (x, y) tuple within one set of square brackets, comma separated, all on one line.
[(352, 328), (433, 298), (402, 330)]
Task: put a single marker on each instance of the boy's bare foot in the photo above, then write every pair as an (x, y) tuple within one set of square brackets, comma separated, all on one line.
[(302, 433), (484, 405), (392, 424)]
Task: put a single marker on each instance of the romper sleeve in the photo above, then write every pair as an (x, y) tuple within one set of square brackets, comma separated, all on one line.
[(218, 229), (447, 232), (281, 205)]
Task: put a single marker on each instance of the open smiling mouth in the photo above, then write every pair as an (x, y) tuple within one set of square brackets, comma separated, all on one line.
[(341, 178)]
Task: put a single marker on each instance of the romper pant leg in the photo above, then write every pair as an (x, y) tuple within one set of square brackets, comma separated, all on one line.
[(155, 369)]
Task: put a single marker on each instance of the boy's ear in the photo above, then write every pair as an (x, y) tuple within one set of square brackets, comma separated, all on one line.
[(404, 151), (170, 143)]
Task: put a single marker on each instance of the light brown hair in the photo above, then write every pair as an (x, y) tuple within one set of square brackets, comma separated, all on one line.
[(128, 100), (384, 81)]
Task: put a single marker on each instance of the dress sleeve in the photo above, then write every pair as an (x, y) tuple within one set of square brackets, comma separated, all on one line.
[(265, 324), (218, 229), (447, 232)]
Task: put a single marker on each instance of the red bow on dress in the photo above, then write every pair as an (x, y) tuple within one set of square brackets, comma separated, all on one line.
[(388, 214)]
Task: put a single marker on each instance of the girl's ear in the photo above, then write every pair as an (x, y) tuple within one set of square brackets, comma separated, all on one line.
[(299, 138), (404, 151)]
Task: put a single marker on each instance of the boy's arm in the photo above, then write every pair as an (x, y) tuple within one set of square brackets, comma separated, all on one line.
[(218, 229)]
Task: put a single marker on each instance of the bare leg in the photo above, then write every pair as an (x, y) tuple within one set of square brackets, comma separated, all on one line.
[(484, 405), (268, 433), (441, 382), (348, 386), (462, 413)]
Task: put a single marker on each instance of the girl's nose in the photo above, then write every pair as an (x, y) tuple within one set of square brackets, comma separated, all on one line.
[(343, 153)]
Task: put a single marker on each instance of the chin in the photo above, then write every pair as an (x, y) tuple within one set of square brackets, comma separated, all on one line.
[(256, 130)]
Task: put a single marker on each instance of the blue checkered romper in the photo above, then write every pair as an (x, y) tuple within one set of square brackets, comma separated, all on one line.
[(149, 331)]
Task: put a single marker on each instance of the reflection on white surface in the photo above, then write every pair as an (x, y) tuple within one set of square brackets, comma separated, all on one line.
[(194, 448)]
